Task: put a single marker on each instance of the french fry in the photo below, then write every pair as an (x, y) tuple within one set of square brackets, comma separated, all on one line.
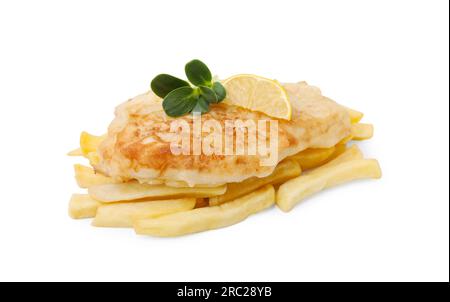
[(285, 170), (342, 154), (202, 202), (355, 116), (134, 190), (89, 143), (93, 158), (345, 140), (350, 153), (208, 218), (183, 184), (338, 150), (297, 189), (86, 177), (75, 152), (122, 214), (82, 206), (313, 157), (362, 131)]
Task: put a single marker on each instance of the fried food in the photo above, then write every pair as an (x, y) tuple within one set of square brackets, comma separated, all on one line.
[(75, 152), (362, 131), (313, 157), (208, 218), (134, 190), (355, 116), (82, 206), (287, 169), (136, 180), (86, 177), (137, 145), (295, 190), (89, 143), (122, 214), (353, 152)]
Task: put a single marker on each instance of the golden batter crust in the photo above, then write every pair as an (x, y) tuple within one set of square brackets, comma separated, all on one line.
[(138, 141)]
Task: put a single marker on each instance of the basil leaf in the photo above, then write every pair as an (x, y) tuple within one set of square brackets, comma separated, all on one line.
[(220, 91), (198, 73), (202, 105), (164, 83), (208, 94), (180, 101)]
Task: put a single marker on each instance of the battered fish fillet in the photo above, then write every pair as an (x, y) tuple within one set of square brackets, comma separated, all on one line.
[(138, 140)]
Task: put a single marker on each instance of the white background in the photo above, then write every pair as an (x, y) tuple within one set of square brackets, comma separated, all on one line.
[(65, 65)]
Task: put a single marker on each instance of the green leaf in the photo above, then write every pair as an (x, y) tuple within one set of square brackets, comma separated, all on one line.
[(164, 83), (208, 94), (180, 101), (202, 105), (220, 91), (198, 73)]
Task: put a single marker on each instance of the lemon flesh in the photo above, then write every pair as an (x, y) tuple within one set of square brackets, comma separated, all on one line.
[(258, 94)]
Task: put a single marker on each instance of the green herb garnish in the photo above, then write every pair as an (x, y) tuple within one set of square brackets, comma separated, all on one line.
[(180, 97)]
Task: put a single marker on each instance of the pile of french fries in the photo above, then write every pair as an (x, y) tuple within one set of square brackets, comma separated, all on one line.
[(165, 210)]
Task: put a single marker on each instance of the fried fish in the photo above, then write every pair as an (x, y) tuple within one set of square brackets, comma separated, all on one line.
[(137, 146)]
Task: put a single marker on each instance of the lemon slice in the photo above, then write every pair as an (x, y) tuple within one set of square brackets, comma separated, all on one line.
[(258, 94)]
